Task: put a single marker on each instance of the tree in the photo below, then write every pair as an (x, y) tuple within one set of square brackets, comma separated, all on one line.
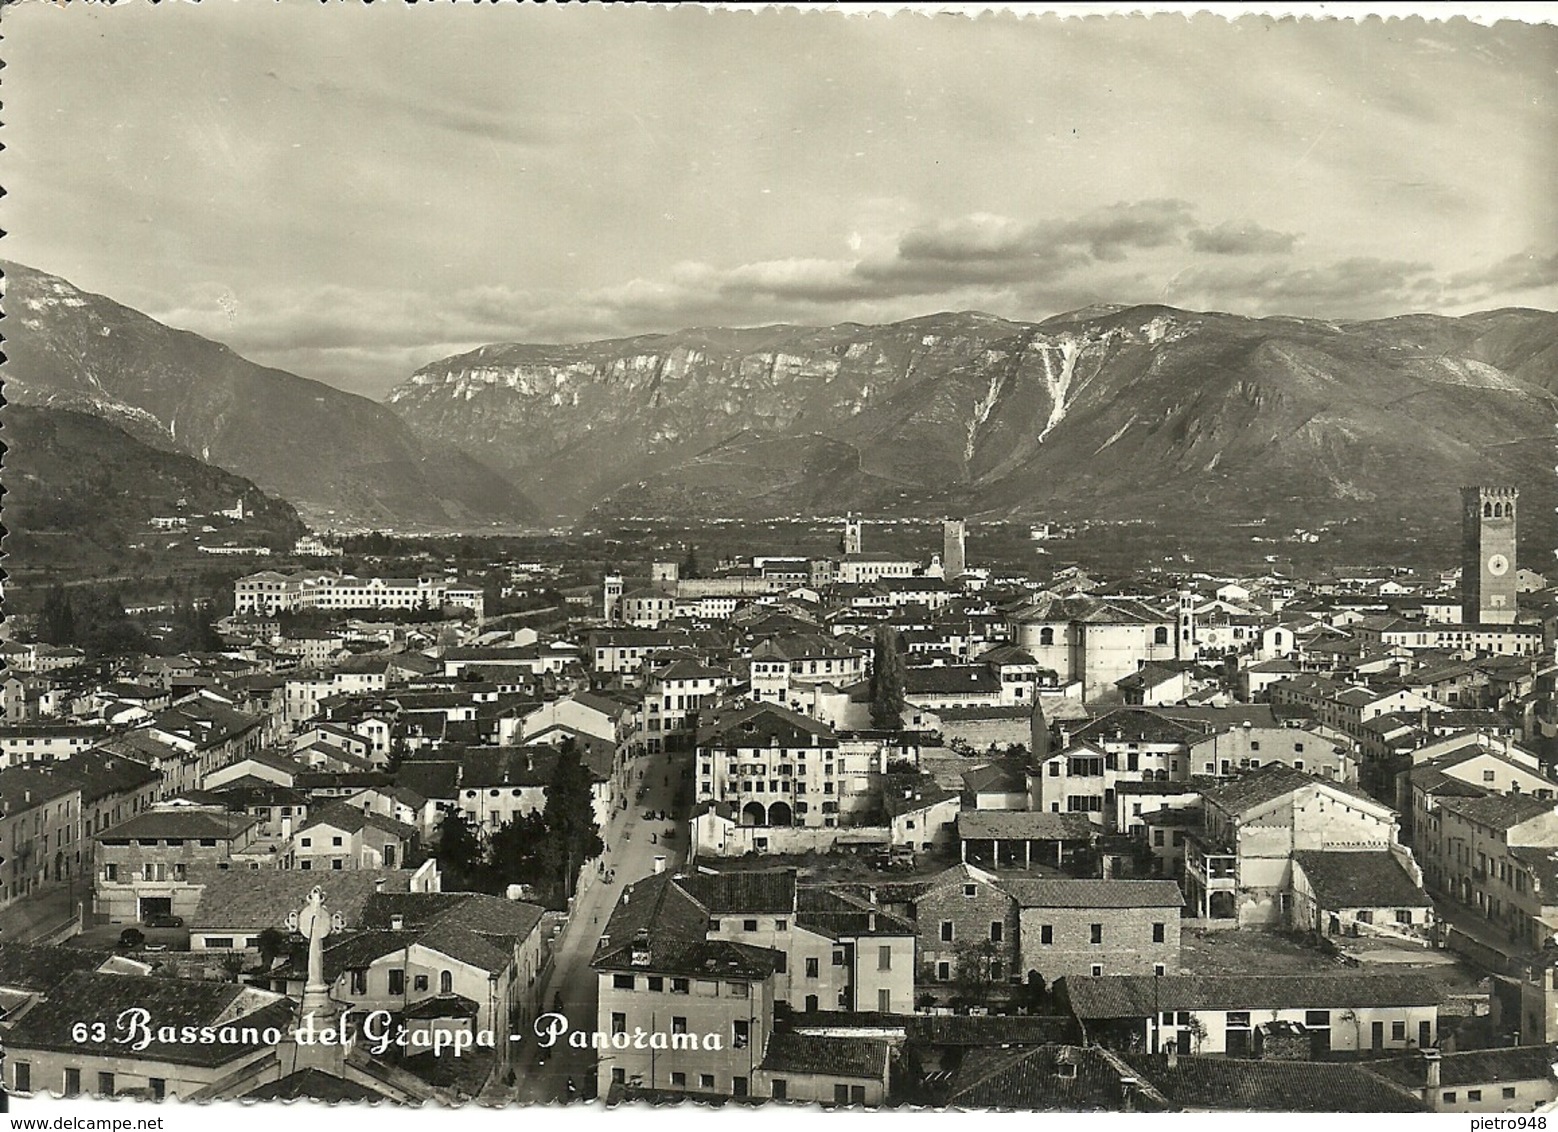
[(272, 943), (57, 620), (524, 850), (570, 810), (973, 971), (689, 567), (887, 702), (459, 849)]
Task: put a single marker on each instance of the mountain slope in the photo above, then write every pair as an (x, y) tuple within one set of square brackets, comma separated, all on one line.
[(79, 489), (339, 457), (1122, 412)]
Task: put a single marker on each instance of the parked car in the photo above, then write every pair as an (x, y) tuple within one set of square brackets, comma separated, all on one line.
[(163, 920), (132, 939)]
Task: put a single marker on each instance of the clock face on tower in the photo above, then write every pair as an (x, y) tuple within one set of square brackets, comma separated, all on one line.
[(1498, 565)]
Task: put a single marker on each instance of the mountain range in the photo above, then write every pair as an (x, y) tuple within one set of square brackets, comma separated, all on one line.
[(1117, 412), (339, 458)]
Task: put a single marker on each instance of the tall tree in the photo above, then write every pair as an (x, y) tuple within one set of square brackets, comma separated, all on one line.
[(570, 809), (689, 567), (887, 672), (459, 849), (57, 620)]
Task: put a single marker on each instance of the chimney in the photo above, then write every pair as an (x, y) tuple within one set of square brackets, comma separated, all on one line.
[(870, 921), (397, 923), (378, 884), (1431, 1070), (1128, 1087), (1172, 1054)]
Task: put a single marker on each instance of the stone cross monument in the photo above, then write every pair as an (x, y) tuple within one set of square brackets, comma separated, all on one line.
[(315, 923)]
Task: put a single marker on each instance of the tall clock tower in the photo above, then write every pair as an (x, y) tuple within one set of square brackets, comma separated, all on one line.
[(1488, 555)]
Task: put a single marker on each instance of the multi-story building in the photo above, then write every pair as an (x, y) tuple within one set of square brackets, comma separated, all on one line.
[(141, 865), (40, 822), (774, 767), (270, 592), (1098, 927), (1092, 640), (784, 667)]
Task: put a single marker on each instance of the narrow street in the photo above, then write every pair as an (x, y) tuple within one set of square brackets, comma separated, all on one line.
[(632, 844)]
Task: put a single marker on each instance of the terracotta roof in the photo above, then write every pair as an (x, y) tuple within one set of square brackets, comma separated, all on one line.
[(1137, 996), (1032, 825), (86, 997), (185, 822), (1360, 880), (40, 967), (1095, 893), (315, 1085), (791, 1052), (989, 1029), (1498, 811), (1236, 1085), (255, 899), (756, 891), (1046, 1078), (1473, 1067)]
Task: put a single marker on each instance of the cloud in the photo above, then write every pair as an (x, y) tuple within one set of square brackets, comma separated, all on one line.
[(1242, 239), (1358, 286), (1529, 270)]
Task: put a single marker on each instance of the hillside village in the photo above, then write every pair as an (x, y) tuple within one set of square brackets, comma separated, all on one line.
[(887, 829)]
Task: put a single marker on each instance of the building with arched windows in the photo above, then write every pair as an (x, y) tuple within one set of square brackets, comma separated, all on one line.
[(1094, 641)]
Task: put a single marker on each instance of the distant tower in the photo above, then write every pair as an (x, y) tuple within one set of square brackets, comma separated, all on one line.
[(1488, 555), (1187, 624), (851, 535), (953, 559), (611, 597), (665, 571)]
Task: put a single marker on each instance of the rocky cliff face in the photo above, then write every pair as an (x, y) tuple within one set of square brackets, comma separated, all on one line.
[(1122, 412), (338, 457)]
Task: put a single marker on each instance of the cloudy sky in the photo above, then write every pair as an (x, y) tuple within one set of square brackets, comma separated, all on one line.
[(350, 192)]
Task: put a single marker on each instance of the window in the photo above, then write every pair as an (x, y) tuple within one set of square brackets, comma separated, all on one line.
[(838, 958), (781, 925), (335, 841), (446, 982), (840, 1094), (1488, 776), (1508, 1092), (678, 1080), (884, 958), (619, 1076), (1158, 933), (970, 890), (72, 1082), (812, 967), (749, 925), (622, 982), (781, 1089), (397, 981), (713, 925), (158, 1087), (705, 1080), (359, 981), (1474, 1094), (1159, 969), (22, 1076), (680, 986), (738, 990), (1096, 932), (1098, 970), (657, 982), (781, 962), (1449, 1098), (678, 1025), (219, 942), (1317, 1019), (105, 1084), (740, 1033), (884, 1000), (619, 1022), (946, 931), (1398, 1031), (306, 842), (996, 928), (1046, 933), (943, 971)]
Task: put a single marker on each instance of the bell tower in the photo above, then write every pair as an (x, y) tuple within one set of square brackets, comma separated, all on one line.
[(852, 540), (1488, 555)]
